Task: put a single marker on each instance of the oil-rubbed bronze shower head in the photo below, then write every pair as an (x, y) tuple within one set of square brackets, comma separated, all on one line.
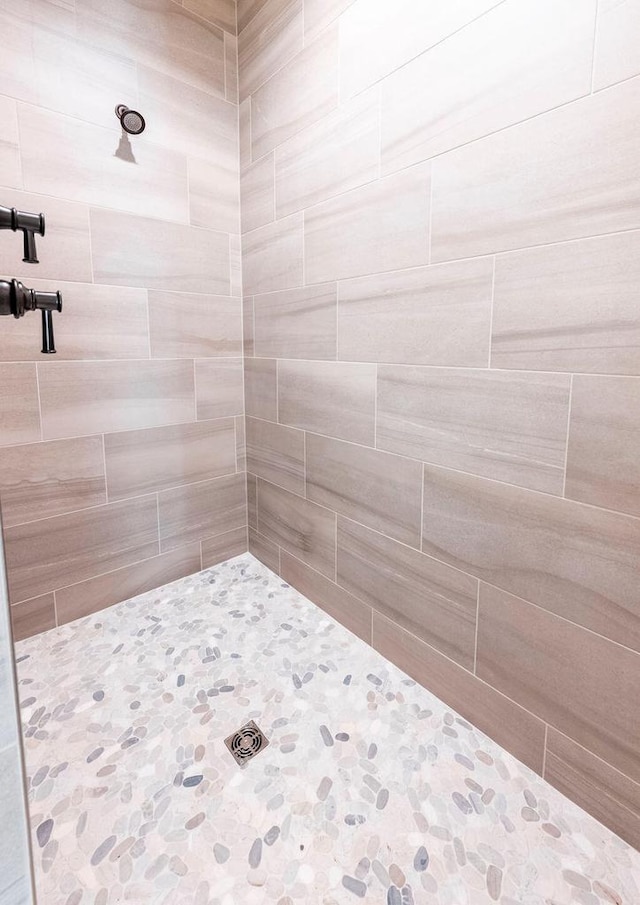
[(130, 120)]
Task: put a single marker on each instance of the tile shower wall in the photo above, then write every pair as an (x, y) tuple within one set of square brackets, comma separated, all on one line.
[(441, 237), (121, 460)]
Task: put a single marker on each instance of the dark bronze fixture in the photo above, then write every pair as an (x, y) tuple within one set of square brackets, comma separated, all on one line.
[(30, 225), (130, 120), (16, 299)]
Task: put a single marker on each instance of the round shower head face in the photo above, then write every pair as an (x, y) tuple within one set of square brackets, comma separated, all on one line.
[(130, 120)]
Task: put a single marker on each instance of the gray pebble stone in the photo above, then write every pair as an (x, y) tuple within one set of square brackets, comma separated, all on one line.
[(221, 853), (327, 738), (383, 798), (357, 887), (271, 835), (393, 896), (462, 803), (421, 859), (103, 850), (191, 781), (255, 853), (43, 832)]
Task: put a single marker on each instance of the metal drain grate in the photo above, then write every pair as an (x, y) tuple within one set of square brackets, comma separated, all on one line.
[(246, 742)]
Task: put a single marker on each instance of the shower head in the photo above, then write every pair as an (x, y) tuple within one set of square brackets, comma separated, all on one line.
[(130, 120)]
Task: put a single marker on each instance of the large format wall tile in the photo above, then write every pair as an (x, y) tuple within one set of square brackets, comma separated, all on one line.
[(601, 790), (580, 188), (426, 597), (338, 603), (264, 550), (19, 409), (272, 256), (381, 226), (90, 397), (480, 82), (428, 315), (276, 454), (218, 12), (377, 37), (302, 92), (9, 150), (573, 560), (296, 323), (213, 196), (55, 552), (261, 388), (41, 480), (219, 388), (603, 462), (65, 253), (246, 10), (97, 322), (508, 426), (569, 307), (137, 251), (329, 397), (375, 488), (563, 674), (272, 37), (186, 325), (338, 153), (617, 49), (217, 549), (155, 186), (143, 461), (197, 511), (320, 13), (510, 725), (33, 616), (257, 193), (303, 529), (105, 590)]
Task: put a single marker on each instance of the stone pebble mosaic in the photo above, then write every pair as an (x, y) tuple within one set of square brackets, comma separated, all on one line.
[(371, 789)]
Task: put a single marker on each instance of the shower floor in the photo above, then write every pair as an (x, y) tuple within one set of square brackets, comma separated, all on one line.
[(371, 790)]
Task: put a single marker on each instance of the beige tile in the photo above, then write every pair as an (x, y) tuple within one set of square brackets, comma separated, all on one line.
[(299, 94), (252, 501), (219, 12), (106, 590), (569, 307), (155, 186), (381, 226), (509, 426), (481, 81), (144, 461), (264, 550), (617, 51), (9, 144), (335, 601), (18, 68), (563, 674), (603, 462), (79, 398), (213, 196), (33, 616), (424, 596), (225, 546), (609, 796), (521, 733), (241, 443), (272, 37), (573, 560), (429, 315), (159, 34), (377, 37), (276, 454), (338, 153), (65, 252), (257, 187), (188, 120), (199, 511), (244, 124), (235, 260), (247, 9), (272, 256), (296, 323), (248, 327), (329, 397), (41, 480), (97, 322), (137, 251), (219, 388), (298, 526), (19, 410), (231, 67), (580, 187), (183, 325), (320, 13), (261, 388), (56, 552), (375, 488)]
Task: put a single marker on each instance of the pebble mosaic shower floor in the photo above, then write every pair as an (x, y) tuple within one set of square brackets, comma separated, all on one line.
[(371, 789)]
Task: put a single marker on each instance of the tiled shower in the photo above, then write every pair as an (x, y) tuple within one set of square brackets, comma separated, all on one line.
[(361, 301)]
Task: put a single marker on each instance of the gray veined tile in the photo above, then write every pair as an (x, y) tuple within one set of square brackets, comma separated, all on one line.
[(276, 454), (617, 55), (219, 388), (199, 511), (272, 256), (296, 323), (261, 388), (257, 189), (9, 150), (213, 195), (272, 37), (190, 325), (19, 408)]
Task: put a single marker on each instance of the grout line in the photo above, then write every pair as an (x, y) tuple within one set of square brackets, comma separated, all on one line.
[(594, 46), (475, 643), (55, 608), (566, 449), (195, 391), (491, 309), (430, 219), (544, 750), (158, 524), (104, 466), (335, 547), (304, 459), (37, 370), (375, 407)]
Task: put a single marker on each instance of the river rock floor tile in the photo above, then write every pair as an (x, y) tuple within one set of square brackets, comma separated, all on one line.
[(371, 789)]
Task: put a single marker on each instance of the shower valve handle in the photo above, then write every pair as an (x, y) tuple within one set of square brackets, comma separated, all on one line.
[(16, 299), (30, 225)]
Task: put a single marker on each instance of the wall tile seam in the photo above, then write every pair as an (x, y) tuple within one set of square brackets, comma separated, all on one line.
[(597, 757), (92, 206), (566, 451)]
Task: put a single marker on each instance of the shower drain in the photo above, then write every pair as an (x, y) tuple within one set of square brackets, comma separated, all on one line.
[(246, 742)]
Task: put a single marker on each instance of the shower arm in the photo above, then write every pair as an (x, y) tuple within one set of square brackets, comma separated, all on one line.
[(29, 224), (16, 300)]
